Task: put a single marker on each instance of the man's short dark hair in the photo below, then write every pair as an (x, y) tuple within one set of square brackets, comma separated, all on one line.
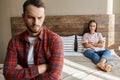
[(37, 3)]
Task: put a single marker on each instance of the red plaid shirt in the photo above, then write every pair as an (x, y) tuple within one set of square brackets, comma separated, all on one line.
[(48, 50)]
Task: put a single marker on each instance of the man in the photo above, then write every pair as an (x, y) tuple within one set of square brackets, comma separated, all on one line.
[(36, 54)]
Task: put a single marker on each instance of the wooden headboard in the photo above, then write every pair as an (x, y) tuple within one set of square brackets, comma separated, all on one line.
[(65, 25)]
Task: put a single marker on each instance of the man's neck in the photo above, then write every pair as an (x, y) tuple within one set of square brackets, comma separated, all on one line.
[(33, 34)]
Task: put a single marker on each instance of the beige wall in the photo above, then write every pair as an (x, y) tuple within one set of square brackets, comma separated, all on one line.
[(9, 8), (76, 7), (116, 7)]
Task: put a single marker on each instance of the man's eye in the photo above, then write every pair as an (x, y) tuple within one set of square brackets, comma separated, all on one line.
[(30, 17), (39, 18)]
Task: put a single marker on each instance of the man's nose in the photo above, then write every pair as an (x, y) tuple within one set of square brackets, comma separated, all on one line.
[(36, 21)]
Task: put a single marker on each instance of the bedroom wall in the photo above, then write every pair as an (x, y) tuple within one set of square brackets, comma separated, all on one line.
[(54, 7), (7, 10), (76, 7), (116, 6)]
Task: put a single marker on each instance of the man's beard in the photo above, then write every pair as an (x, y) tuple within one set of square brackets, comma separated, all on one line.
[(29, 28)]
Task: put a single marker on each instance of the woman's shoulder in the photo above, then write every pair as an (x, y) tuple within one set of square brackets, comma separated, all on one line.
[(99, 34), (86, 33)]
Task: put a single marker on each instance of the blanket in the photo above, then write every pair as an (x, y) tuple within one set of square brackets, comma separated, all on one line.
[(82, 68)]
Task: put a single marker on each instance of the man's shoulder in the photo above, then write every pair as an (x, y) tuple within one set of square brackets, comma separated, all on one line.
[(20, 35), (50, 33)]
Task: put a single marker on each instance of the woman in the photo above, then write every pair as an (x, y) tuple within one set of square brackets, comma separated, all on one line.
[(93, 47)]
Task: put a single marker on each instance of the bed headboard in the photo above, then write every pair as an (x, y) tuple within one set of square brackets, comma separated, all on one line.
[(65, 25)]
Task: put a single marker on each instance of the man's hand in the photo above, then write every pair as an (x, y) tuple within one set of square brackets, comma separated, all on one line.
[(19, 67), (42, 68)]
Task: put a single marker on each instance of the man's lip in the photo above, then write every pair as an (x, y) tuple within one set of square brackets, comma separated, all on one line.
[(35, 26)]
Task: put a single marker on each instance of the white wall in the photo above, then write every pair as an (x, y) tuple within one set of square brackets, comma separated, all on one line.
[(10, 8)]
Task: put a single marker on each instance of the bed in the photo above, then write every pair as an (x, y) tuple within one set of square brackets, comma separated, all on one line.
[(76, 66)]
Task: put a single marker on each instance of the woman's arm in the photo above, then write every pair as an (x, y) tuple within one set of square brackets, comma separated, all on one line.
[(99, 44), (91, 44), (88, 45)]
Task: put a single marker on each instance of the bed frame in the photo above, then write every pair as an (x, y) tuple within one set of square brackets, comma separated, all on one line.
[(66, 25)]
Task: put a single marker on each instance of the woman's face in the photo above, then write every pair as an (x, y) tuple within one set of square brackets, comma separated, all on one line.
[(92, 27)]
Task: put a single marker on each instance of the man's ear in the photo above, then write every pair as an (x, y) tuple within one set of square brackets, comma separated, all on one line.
[(23, 15)]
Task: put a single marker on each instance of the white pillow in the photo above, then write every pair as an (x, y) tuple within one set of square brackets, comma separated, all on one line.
[(68, 43), (79, 44)]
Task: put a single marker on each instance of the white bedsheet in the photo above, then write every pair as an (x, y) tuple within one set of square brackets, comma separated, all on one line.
[(82, 68), (73, 54)]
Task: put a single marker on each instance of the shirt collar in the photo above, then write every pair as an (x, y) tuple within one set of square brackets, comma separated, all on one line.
[(40, 36), (26, 34)]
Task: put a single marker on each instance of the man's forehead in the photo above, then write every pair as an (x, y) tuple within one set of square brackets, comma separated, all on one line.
[(33, 10)]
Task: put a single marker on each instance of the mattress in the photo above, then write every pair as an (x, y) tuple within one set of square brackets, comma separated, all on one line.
[(1, 74), (81, 68)]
